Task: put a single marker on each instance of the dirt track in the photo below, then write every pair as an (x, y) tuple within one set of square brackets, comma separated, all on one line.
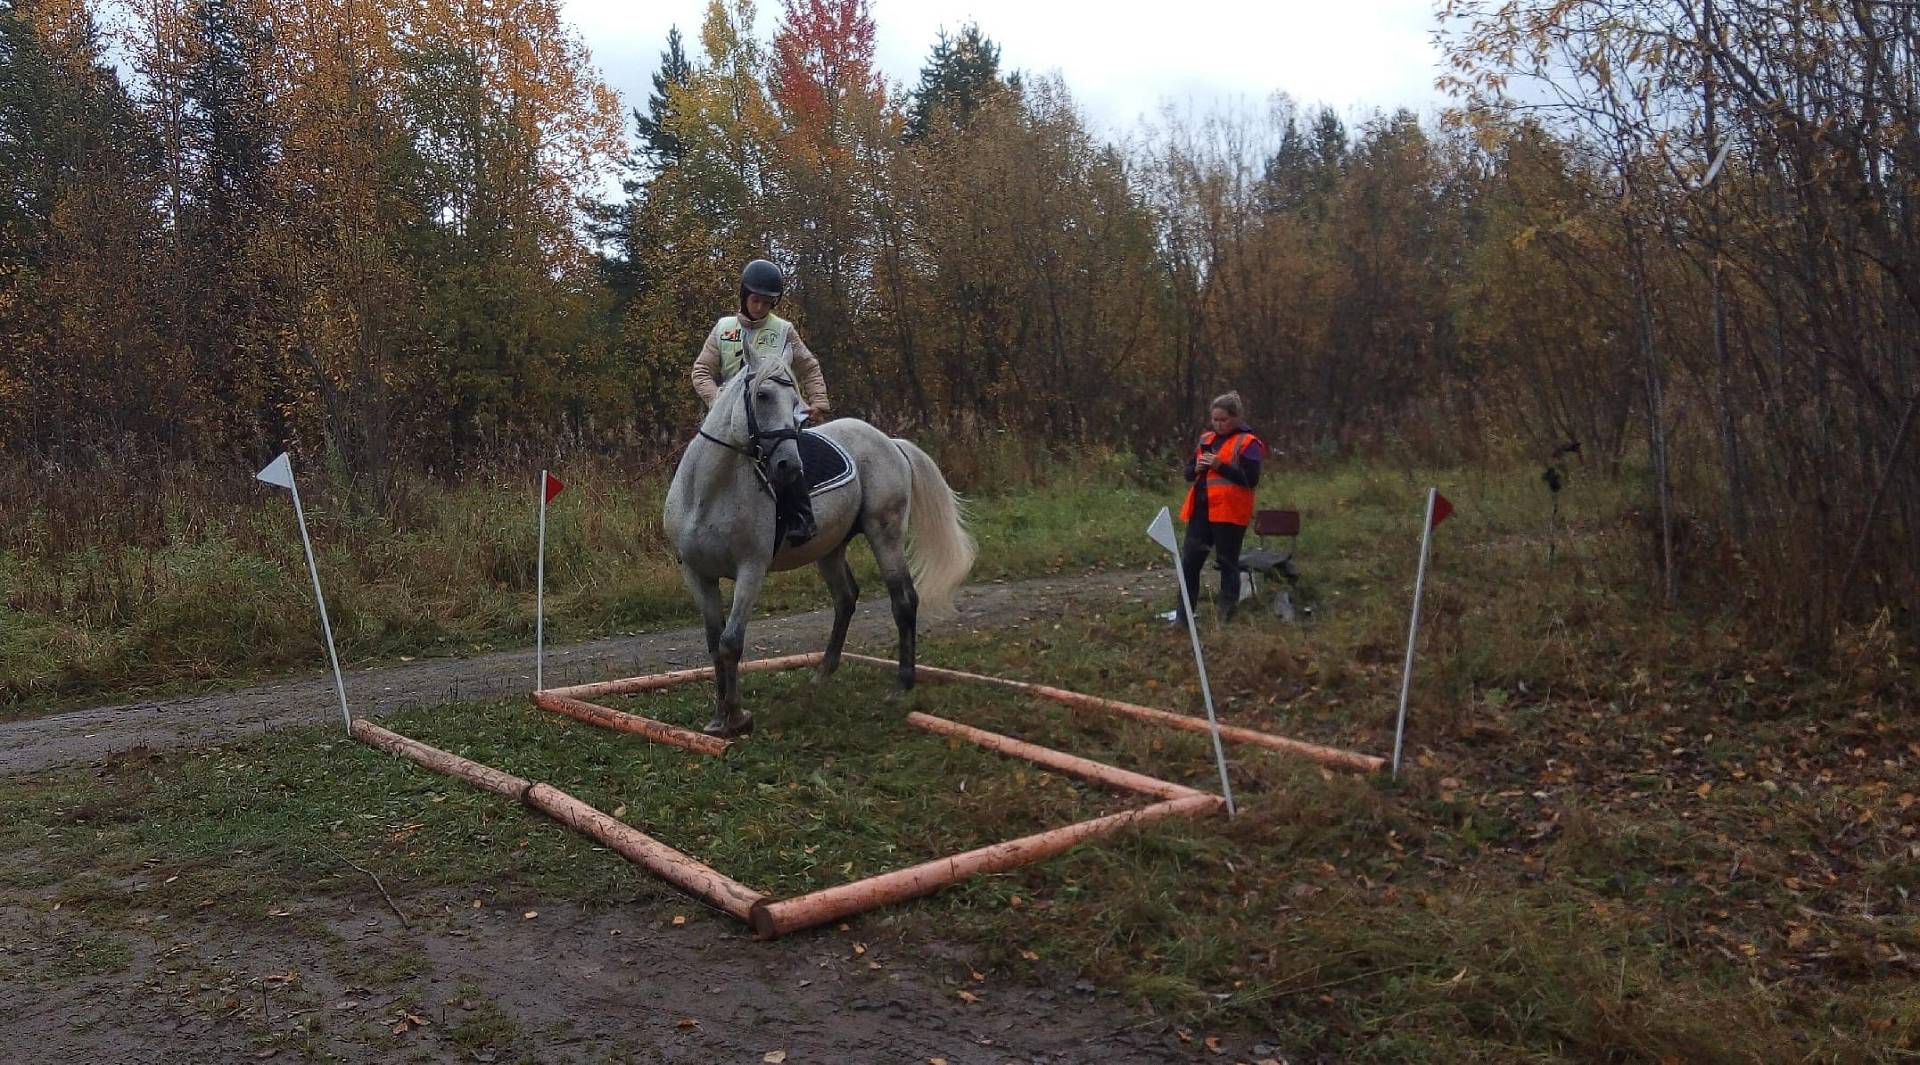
[(83, 736)]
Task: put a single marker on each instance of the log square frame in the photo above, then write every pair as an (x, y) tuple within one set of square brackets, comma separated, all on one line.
[(771, 918)]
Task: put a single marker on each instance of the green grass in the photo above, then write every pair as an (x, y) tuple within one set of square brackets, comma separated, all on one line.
[(198, 594), (1623, 833)]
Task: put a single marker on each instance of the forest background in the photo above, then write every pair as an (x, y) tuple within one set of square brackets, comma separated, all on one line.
[(1668, 243)]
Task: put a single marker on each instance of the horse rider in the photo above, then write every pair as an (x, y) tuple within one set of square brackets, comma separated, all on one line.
[(758, 330)]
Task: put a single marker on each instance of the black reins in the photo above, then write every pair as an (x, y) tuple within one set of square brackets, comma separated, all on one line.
[(756, 448)]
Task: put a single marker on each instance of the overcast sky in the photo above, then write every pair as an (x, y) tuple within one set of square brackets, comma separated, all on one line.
[(1350, 54)]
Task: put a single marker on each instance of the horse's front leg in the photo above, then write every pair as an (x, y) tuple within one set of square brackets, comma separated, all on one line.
[(728, 718), (706, 592)]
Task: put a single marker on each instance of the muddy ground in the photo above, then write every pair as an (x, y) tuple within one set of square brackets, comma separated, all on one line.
[(340, 979), (335, 975)]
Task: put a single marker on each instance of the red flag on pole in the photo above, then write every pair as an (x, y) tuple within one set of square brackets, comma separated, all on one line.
[(553, 486), (1441, 508)]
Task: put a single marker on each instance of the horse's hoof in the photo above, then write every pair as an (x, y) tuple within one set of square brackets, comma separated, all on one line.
[(720, 727)]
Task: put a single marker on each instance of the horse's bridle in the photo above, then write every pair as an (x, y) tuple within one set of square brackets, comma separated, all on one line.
[(757, 448)]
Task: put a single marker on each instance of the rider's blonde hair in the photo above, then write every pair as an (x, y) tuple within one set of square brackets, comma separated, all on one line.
[(1231, 403)]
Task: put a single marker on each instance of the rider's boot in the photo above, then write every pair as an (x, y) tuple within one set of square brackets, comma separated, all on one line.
[(798, 503)]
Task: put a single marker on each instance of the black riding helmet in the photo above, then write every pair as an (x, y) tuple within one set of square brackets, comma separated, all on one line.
[(762, 277)]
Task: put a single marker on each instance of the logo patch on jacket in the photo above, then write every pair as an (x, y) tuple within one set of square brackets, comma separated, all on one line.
[(731, 334)]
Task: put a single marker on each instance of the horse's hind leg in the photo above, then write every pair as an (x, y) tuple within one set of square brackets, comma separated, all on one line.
[(889, 540), (846, 592)]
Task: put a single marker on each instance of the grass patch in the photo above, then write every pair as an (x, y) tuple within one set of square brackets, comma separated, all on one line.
[(1623, 833)]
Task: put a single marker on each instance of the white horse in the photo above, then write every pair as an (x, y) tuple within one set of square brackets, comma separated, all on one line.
[(720, 518)]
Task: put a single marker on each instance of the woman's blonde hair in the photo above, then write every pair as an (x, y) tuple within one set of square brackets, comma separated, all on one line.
[(1231, 403)]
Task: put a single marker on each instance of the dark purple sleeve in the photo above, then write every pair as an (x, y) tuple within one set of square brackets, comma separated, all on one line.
[(1245, 470)]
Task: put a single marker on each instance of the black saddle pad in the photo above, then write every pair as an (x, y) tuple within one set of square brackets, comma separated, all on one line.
[(827, 465)]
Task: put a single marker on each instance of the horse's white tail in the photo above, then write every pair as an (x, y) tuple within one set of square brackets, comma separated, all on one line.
[(940, 551)]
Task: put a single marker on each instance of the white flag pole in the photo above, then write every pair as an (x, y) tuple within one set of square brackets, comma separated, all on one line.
[(540, 595), (1161, 531), (1413, 631), (280, 472)]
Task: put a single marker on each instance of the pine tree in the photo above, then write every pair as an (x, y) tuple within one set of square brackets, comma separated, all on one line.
[(960, 75), (659, 145), (226, 121)]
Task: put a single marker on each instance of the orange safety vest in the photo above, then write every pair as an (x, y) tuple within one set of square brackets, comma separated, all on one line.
[(1227, 503)]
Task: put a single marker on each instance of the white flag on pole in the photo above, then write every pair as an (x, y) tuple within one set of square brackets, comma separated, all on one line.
[(278, 472), (1161, 532), (1162, 529)]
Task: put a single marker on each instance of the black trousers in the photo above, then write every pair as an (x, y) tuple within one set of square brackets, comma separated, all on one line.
[(1223, 541)]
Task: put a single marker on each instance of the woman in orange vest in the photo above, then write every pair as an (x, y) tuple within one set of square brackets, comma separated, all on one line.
[(1224, 468)]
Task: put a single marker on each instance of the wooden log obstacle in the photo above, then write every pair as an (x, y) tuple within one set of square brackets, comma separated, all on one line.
[(771, 918)]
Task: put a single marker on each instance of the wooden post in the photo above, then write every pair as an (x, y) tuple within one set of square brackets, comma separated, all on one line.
[(774, 919), (657, 731), (1332, 756), (685, 676), (1085, 769), (480, 776), (686, 873), (676, 868)]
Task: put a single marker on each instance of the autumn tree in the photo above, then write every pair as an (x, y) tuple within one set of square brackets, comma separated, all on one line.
[(77, 348)]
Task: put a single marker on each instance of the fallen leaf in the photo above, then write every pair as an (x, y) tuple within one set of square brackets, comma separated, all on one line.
[(678, 920), (686, 1022), (620, 810), (1029, 955), (968, 997), (1213, 1045), (1186, 1036), (977, 976), (859, 949), (1703, 789), (774, 1056), (530, 915)]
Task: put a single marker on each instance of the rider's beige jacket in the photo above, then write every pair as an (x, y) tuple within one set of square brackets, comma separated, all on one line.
[(806, 369)]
